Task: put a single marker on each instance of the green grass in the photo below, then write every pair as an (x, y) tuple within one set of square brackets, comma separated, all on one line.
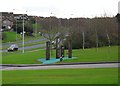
[(92, 55), (87, 55), (20, 58), (62, 76), (11, 36), (35, 43), (28, 38), (0, 77)]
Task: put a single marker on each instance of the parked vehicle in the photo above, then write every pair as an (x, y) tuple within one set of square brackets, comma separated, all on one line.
[(13, 47)]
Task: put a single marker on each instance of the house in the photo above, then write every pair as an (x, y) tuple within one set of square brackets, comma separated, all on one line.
[(7, 24), (20, 16), (6, 19), (0, 22)]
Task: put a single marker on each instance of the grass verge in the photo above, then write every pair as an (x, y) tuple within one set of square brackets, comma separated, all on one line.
[(62, 76), (10, 36), (87, 55)]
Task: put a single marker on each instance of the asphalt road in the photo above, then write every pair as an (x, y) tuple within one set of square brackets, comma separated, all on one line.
[(66, 66), (26, 42), (26, 47)]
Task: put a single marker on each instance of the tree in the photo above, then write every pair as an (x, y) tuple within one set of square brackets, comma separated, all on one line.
[(28, 27), (118, 17), (51, 29), (118, 20)]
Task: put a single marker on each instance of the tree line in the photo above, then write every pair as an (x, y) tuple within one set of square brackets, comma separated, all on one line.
[(84, 32)]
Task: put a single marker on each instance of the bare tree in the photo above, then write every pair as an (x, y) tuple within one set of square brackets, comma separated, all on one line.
[(81, 29), (107, 27), (95, 24), (51, 29)]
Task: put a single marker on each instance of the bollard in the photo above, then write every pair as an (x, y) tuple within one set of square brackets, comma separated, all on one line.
[(61, 58)]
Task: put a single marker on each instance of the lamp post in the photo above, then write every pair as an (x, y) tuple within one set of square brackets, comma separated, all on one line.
[(23, 35), (36, 18), (16, 29), (15, 25)]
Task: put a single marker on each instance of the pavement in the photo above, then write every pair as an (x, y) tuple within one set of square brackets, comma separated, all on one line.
[(54, 60), (60, 66)]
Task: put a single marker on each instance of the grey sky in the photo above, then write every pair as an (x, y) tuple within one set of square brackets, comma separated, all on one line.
[(119, 7), (61, 8)]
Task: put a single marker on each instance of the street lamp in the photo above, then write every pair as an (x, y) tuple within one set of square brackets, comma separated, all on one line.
[(16, 29), (23, 34), (36, 20), (16, 24)]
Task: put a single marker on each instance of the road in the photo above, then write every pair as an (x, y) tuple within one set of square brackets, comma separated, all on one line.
[(26, 42), (41, 67), (26, 47)]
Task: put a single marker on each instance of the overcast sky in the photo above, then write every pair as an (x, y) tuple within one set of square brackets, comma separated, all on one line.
[(61, 8)]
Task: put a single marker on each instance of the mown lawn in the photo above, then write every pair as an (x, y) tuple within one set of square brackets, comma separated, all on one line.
[(62, 76), (95, 55), (87, 55), (11, 36)]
